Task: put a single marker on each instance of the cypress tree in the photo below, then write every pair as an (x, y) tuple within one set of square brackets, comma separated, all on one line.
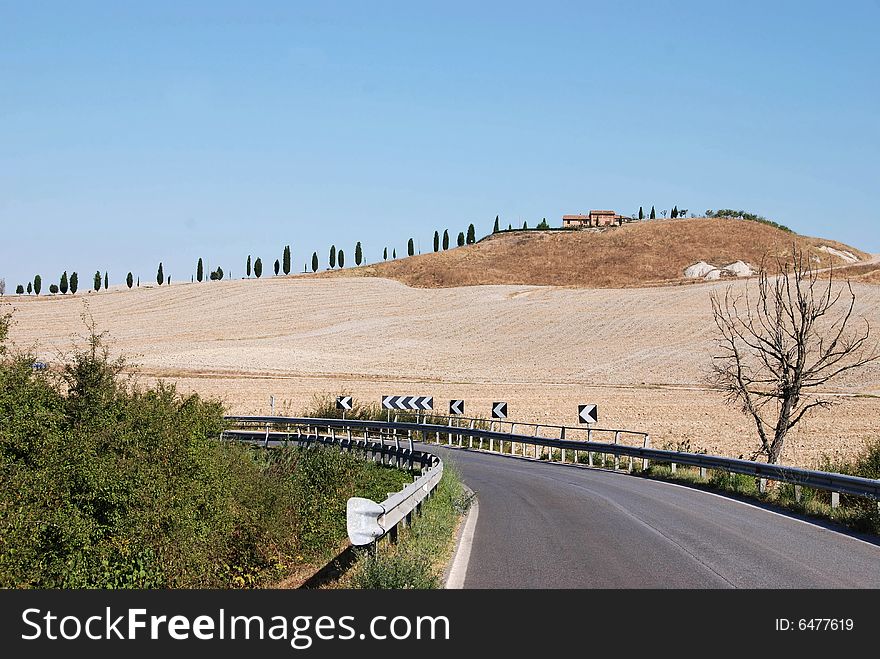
[(314, 261), (219, 273), (38, 284), (332, 256), (258, 268), (64, 286), (436, 241), (410, 247), (277, 267), (641, 213), (129, 280), (19, 290), (445, 239), (394, 253), (385, 254), (359, 253), (510, 227), (341, 257), (74, 283), (160, 275), (461, 238), (286, 260), (200, 270), (139, 281), (525, 225), (106, 281), (675, 211), (96, 280), (30, 288), (653, 214), (247, 266), (495, 228), (472, 234)]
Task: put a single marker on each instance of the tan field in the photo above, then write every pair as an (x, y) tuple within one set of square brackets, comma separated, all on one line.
[(641, 354)]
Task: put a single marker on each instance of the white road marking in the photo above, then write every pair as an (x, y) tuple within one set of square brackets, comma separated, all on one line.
[(463, 552)]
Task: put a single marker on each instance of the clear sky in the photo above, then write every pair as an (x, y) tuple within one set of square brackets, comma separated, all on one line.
[(133, 133)]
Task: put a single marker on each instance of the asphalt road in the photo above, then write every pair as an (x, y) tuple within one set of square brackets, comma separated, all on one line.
[(542, 525)]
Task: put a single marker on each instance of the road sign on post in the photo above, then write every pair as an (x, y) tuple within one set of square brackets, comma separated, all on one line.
[(499, 410), (456, 407), (408, 402), (588, 414), (343, 403)]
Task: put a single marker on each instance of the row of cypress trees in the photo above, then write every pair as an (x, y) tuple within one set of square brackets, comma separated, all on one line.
[(255, 267)]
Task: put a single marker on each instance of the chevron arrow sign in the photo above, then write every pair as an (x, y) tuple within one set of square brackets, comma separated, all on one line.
[(588, 414), (343, 403), (408, 402), (456, 407), (499, 410)]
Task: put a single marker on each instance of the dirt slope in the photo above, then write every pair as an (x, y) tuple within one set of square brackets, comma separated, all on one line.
[(638, 254)]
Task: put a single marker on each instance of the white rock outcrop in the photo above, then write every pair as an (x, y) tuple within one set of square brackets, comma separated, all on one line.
[(842, 254), (699, 270)]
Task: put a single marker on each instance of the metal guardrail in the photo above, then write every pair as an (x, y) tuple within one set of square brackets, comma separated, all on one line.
[(455, 435), (366, 520)]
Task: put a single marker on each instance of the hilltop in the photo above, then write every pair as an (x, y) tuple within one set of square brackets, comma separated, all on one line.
[(639, 254)]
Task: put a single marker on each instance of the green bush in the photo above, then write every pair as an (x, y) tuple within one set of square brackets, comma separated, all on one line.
[(104, 484)]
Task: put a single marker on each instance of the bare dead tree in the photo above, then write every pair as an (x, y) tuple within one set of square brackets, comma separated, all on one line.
[(776, 352)]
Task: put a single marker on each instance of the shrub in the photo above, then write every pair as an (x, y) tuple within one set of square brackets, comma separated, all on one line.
[(104, 484)]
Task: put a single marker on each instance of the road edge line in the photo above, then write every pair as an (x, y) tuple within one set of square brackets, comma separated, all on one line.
[(462, 556)]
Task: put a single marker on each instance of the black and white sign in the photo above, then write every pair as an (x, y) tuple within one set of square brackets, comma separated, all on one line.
[(499, 410), (408, 402), (588, 414), (456, 407), (343, 403)]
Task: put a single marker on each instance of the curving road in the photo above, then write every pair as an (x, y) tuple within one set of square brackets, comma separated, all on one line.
[(542, 525)]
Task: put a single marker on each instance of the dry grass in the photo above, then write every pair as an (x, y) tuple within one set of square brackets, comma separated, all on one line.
[(638, 254), (866, 273), (640, 353)]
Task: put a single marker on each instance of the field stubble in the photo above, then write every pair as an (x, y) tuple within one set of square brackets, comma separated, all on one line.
[(641, 354)]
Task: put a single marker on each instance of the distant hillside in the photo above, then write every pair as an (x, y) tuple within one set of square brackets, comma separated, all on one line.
[(638, 254)]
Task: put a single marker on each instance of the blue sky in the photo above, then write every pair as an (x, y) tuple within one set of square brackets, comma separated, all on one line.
[(133, 133)]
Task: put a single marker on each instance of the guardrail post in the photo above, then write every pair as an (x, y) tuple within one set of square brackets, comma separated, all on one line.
[(491, 439), (835, 499), (512, 428), (616, 457), (703, 472), (646, 444), (449, 434), (471, 438), (762, 485), (589, 453), (562, 436), (537, 456), (672, 467), (797, 493)]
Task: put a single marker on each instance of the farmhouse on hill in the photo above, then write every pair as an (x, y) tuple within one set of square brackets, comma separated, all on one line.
[(594, 219)]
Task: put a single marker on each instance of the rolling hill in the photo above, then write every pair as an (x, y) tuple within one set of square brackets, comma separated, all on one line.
[(638, 254)]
